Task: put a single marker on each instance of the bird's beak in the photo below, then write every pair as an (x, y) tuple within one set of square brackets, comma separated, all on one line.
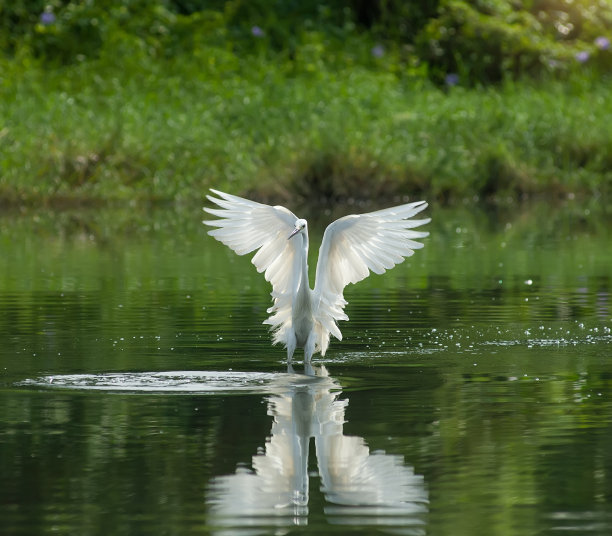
[(293, 233)]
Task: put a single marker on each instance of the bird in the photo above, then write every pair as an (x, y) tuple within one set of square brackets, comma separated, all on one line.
[(351, 248)]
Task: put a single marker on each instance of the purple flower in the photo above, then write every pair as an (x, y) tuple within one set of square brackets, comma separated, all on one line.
[(47, 18), (451, 79), (602, 43), (257, 31), (378, 51), (582, 56)]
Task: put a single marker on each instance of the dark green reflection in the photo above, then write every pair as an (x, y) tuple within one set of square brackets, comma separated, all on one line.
[(483, 363)]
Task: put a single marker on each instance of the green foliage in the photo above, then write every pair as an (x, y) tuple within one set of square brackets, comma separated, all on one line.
[(132, 99), (489, 41), (480, 42), (167, 130)]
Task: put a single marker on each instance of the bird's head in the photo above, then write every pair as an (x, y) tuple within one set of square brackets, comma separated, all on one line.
[(300, 225)]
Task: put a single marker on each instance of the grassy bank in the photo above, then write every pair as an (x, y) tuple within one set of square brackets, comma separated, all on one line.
[(102, 131)]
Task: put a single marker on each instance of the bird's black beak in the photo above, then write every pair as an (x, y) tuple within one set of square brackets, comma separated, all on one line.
[(293, 233)]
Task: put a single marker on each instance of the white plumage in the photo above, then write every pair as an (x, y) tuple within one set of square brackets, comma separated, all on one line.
[(352, 246)]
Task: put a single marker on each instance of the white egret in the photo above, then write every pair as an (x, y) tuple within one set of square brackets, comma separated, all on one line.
[(352, 246)]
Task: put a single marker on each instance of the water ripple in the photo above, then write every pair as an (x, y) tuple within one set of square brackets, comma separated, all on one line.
[(202, 382)]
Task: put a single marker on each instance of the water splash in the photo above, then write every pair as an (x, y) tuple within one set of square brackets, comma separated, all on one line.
[(202, 382)]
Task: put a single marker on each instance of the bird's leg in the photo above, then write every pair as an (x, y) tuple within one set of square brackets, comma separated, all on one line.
[(309, 347), (291, 344)]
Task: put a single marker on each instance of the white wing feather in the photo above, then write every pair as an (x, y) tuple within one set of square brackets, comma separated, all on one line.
[(354, 246), (246, 226)]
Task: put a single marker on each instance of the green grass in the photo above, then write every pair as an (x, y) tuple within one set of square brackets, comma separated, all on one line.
[(143, 130)]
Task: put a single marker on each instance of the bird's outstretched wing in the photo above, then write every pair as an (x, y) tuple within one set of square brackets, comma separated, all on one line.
[(355, 245), (246, 226)]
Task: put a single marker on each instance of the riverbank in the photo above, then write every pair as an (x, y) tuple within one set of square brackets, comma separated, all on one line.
[(166, 131)]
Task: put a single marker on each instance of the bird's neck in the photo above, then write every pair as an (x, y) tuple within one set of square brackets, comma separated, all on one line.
[(303, 284)]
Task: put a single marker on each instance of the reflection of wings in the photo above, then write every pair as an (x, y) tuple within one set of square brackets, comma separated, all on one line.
[(377, 485), (275, 493), (351, 475), (272, 494)]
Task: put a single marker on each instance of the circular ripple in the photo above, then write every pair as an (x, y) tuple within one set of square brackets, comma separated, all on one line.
[(178, 381)]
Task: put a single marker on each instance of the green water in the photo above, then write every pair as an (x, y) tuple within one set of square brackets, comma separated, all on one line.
[(139, 392)]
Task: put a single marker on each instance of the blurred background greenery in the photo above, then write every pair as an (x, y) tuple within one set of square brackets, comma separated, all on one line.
[(157, 100)]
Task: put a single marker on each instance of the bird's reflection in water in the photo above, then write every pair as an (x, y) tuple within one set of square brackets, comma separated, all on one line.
[(360, 487)]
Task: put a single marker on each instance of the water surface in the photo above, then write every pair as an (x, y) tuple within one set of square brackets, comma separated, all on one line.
[(472, 393)]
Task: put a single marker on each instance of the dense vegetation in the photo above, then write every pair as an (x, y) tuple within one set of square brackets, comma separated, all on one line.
[(158, 100)]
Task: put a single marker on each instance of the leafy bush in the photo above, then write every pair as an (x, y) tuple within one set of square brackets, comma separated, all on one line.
[(61, 31), (452, 41), (490, 40)]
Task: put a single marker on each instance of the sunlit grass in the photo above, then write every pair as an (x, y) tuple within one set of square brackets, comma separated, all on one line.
[(168, 131)]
